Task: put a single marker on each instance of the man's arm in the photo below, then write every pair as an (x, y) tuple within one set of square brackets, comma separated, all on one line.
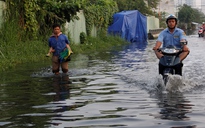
[(185, 49), (51, 50), (66, 40), (182, 40), (184, 45), (156, 48), (157, 45), (185, 52)]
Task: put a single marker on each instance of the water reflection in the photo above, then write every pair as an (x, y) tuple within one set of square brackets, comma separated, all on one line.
[(61, 87), (131, 55), (174, 107), (131, 48), (141, 46)]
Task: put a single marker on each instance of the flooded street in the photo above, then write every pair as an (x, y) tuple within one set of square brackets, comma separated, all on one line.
[(116, 89)]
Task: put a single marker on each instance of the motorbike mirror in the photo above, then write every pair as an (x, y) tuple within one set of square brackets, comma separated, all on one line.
[(184, 42)]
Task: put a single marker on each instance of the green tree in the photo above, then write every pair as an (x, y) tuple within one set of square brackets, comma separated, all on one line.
[(36, 16), (152, 4), (162, 18), (98, 13), (198, 16), (144, 6), (186, 15)]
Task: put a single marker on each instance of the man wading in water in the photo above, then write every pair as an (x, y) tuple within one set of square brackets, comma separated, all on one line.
[(59, 46)]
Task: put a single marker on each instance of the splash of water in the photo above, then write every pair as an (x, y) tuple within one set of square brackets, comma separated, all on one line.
[(177, 83)]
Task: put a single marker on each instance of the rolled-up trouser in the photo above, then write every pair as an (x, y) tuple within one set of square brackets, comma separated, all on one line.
[(56, 65)]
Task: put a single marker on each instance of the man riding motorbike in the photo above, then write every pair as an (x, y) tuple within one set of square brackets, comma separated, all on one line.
[(203, 27), (172, 36)]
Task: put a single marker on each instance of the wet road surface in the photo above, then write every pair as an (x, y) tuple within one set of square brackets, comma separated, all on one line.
[(114, 89)]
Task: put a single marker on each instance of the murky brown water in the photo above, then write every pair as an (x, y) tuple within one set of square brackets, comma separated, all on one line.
[(113, 89)]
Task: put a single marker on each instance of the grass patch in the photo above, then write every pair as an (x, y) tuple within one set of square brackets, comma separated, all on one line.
[(98, 44), (13, 53)]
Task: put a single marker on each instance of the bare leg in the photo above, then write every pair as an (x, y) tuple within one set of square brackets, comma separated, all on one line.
[(55, 65), (183, 55), (64, 66)]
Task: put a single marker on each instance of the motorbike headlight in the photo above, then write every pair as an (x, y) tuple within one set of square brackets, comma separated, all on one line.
[(170, 51)]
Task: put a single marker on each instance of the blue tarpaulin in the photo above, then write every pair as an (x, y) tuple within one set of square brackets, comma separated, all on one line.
[(130, 25)]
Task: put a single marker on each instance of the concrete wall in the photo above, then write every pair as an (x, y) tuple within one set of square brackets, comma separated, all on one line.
[(76, 27), (152, 23)]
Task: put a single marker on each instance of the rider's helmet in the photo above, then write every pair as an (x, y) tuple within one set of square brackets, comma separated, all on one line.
[(203, 22), (171, 17)]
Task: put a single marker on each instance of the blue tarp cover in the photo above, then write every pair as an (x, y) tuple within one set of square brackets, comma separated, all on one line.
[(130, 25)]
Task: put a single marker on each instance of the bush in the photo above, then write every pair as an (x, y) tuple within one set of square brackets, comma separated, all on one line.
[(83, 37)]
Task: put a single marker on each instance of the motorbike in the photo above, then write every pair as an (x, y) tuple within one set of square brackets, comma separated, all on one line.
[(170, 63), (200, 32)]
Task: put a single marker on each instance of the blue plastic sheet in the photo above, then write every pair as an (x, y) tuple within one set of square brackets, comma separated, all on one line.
[(130, 25)]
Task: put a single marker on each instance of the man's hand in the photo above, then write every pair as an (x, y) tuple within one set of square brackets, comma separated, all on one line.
[(53, 50), (47, 55), (155, 48)]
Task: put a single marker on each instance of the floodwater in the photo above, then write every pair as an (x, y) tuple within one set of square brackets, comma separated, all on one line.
[(116, 89)]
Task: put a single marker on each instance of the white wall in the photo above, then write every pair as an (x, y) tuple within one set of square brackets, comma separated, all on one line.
[(76, 27), (152, 23)]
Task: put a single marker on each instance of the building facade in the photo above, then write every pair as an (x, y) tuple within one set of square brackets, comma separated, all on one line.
[(203, 6)]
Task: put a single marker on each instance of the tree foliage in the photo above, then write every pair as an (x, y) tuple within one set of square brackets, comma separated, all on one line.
[(187, 14), (99, 13), (36, 16), (198, 16), (162, 18), (144, 6), (152, 4)]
